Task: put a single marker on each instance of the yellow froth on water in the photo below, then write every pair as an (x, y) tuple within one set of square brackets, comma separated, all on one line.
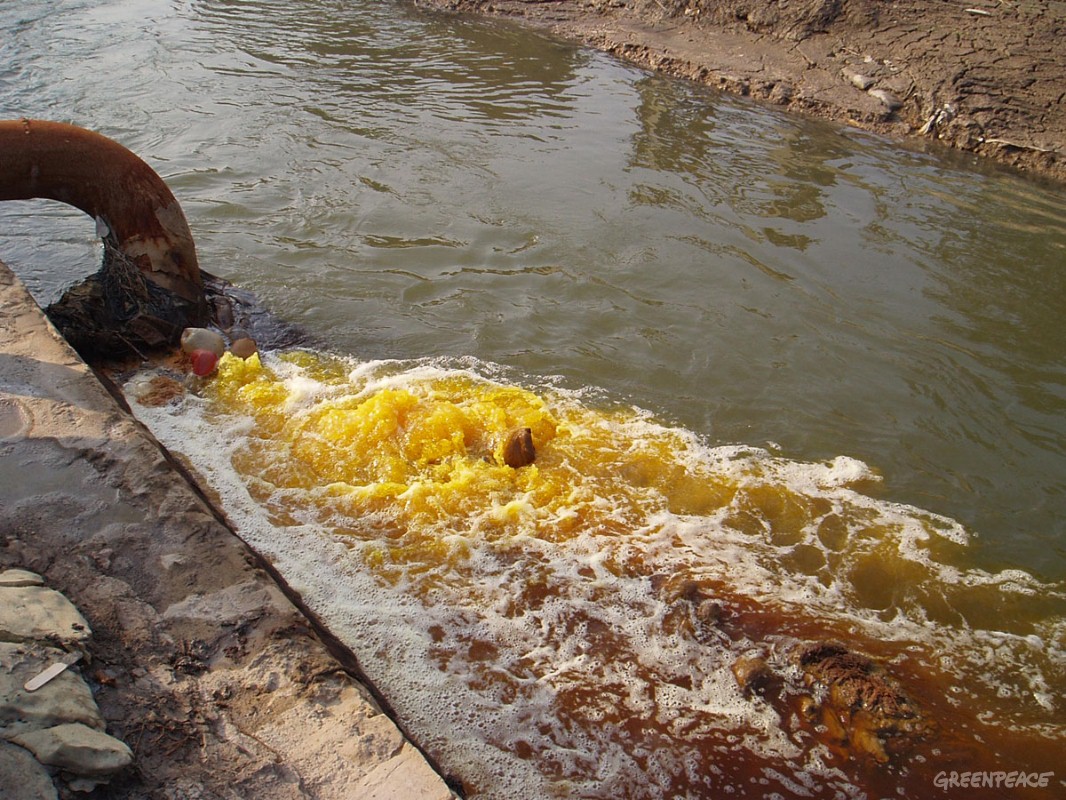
[(428, 454), (411, 465)]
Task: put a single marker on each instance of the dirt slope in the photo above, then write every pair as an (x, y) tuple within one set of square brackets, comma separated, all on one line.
[(987, 76)]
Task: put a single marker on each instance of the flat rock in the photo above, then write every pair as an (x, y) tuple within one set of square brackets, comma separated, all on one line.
[(859, 80), (22, 776), (36, 612), (402, 777), (890, 101), (79, 749), (336, 737), (66, 698), (17, 578), (232, 604)]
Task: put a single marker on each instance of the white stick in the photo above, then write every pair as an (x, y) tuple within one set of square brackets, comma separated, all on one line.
[(33, 684)]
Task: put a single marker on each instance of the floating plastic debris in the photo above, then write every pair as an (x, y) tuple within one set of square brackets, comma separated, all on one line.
[(203, 362), (193, 339)]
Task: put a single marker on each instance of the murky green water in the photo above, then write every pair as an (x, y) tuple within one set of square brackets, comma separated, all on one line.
[(408, 185)]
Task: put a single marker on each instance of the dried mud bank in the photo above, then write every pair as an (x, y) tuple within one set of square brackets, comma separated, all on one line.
[(984, 77), (194, 656)]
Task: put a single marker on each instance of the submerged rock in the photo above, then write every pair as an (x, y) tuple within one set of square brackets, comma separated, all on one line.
[(753, 674), (691, 610)]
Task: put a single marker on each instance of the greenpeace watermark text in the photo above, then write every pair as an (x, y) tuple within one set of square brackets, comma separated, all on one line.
[(992, 780)]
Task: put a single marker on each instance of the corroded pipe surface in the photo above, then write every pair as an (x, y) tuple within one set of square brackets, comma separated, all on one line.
[(62, 162)]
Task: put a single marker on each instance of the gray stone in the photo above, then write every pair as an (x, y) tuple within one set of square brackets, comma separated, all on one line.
[(66, 698), (22, 777), (231, 604), (890, 101), (16, 578), (857, 79), (36, 612), (78, 749)]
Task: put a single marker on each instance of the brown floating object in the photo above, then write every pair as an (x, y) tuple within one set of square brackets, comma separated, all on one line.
[(518, 450), (863, 704), (752, 673), (244, 347), (134, 209)]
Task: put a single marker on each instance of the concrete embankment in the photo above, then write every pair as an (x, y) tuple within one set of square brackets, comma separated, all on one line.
[(206, 678)]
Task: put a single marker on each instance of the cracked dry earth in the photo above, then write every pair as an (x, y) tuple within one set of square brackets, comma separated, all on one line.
[(981, 76)]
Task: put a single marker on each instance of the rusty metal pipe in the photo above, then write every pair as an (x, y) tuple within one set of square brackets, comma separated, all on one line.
[(53, 160)]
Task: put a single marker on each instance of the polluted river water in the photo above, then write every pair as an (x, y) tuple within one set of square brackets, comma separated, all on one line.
[(788, 386), (580, 626)]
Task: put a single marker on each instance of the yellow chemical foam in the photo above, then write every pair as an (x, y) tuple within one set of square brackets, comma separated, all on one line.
[(411, 466), (428, 455)]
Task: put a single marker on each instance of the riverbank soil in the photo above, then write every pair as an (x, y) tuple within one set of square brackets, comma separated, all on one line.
[(982, 76)]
